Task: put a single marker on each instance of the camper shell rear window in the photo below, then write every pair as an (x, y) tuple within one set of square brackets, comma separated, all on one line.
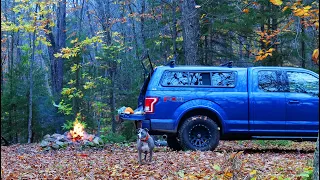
[(199, 79)]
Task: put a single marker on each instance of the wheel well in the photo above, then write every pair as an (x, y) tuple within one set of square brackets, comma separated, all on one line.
[(204, 112)]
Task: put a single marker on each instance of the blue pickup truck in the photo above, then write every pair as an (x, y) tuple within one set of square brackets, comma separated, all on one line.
[(197, 106)]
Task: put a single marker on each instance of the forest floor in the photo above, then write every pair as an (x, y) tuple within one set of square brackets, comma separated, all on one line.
[(244, 159)]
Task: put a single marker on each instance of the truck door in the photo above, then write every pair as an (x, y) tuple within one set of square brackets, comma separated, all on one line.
[(302, 102), (267, 105)]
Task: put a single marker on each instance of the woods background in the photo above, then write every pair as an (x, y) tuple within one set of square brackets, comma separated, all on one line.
[(83, 59)]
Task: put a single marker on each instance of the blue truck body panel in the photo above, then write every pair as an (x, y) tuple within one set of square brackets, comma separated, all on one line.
[(249, 106)]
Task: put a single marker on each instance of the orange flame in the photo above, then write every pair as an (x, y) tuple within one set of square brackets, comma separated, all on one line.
[(77, 132)]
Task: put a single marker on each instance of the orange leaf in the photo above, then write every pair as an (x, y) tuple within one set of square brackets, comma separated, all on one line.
[(288, 24), (227, 175), (233, 155), (245, 11), (20, 157), (270, 50)]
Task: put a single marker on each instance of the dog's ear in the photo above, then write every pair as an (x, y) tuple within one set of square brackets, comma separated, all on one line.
[(146, 129)]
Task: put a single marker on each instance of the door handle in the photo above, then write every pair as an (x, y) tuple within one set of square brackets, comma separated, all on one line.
[(294, 102)]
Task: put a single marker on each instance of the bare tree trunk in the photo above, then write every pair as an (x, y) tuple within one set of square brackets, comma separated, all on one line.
[(241, 42), (191, 32), (104, 19), (303, 46), (113, 100), (316, 162), (174, 27), (61, 44), (31, 84)]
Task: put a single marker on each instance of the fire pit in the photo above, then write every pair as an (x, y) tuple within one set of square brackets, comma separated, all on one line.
[(76, 136)]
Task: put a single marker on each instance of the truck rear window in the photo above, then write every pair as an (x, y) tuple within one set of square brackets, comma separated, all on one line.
[(184, 78)]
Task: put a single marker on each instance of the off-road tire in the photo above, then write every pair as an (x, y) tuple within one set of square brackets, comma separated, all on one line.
[(173, 143), (199, 133)]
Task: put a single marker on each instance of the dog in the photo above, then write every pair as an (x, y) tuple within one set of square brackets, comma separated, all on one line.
[(145, 144)]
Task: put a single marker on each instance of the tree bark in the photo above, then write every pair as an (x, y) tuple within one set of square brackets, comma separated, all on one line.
[(61, 44), (303, 46), (104, 19), (174, 27), (191, 32), (113, 100), (31, 84)]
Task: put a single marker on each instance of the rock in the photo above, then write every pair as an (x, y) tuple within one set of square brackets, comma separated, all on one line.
[(85, 136), (69, 136), (86, 142), (44, 143), (91, 144), (59, 143), (46, 136), (69, 142), (50, 139), (47, 148), (91, 137), (55, 146), (97, 140), (55, 135), (63, 139)]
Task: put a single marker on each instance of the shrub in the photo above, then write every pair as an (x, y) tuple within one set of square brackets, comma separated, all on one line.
[(129, 131), (284, 143), (112, 138)]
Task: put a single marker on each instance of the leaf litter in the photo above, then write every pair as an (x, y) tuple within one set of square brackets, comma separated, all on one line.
[(118, 161)]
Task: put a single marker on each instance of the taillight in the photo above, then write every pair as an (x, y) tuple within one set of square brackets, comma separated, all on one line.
[(149, 103)]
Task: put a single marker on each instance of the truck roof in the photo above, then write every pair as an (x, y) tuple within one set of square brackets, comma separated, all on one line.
[(193, 67)]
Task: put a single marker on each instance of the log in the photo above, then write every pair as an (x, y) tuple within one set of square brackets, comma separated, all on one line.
[(6, 143)]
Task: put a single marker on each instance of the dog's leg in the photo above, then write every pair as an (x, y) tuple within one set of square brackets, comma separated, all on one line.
[(145, 156), (139, 157), (150, 156)]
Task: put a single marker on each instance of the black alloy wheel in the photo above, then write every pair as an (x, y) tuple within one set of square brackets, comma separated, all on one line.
[(199, 133)]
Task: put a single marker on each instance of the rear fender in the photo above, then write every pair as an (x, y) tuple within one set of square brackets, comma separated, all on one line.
[(199, 104)]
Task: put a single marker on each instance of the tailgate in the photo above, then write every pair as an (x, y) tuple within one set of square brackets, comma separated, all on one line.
[(132, 117)]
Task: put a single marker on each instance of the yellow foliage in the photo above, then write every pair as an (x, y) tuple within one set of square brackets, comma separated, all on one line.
[(89, 85), (74, 67), (316, 24), (315, 56), (285, 8), (299, 12), (276, 2)]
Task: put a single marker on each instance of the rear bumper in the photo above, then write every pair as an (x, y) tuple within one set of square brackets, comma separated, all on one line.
[(156, 126)]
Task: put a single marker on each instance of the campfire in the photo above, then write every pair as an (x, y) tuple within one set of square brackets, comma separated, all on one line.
[(78, 131), (76, 136)]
